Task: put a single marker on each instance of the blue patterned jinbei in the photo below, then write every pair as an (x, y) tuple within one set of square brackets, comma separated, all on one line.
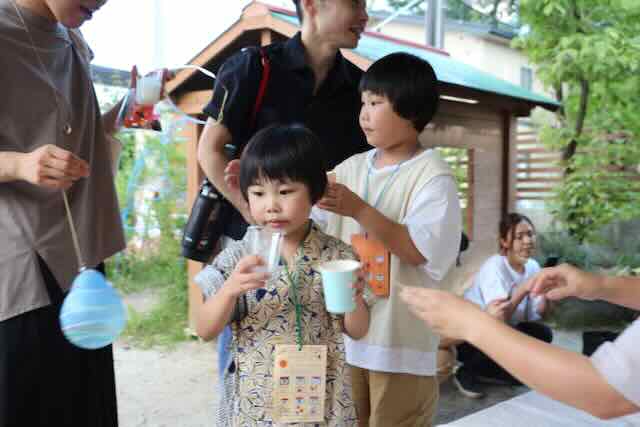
[(269, 319)]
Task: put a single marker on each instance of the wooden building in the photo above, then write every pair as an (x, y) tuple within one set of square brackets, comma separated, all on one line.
[(478, 114)]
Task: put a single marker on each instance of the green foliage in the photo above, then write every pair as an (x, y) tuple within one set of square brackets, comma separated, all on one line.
[(458, 160), (573, 313), (166, 323), (593, 195), (577, 314), (588, 51), (157, 263), (606, 255), (564, 247)]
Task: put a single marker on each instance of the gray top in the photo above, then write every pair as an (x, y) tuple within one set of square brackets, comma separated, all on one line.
[(32, 219)]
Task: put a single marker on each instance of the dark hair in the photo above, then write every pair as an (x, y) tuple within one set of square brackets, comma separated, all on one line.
[(298, 10), (282, 152), (508, 225), (410, 84)]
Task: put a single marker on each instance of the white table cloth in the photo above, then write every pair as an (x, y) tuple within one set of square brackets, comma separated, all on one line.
[(535, 410)]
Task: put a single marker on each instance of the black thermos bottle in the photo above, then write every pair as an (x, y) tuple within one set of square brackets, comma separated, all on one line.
[(206, 223)]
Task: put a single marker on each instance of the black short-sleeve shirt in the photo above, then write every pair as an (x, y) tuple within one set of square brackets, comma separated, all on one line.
[(332, 113)]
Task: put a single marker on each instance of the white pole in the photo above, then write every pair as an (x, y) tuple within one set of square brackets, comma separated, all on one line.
[(158, 35), (434, 23)]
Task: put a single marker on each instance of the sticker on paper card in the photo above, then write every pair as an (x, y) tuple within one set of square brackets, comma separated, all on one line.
[(302, 377), (376, 260)]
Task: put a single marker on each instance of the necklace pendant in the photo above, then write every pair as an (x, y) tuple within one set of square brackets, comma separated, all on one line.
[(67, 129)]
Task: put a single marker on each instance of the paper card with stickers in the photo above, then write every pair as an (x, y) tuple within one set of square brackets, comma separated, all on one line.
[(299, 378), (376, 261)]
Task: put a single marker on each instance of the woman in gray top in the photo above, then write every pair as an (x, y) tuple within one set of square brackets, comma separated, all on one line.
[(52, 138)]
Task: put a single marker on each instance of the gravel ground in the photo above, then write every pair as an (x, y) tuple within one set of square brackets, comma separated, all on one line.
[(159, 387), (166, 388)]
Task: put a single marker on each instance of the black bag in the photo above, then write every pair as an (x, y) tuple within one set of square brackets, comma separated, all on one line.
[(591, 340), (212, 215), (209, 214), (464, 245)]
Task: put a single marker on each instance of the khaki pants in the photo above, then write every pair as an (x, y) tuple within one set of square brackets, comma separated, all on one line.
[(394, 400)]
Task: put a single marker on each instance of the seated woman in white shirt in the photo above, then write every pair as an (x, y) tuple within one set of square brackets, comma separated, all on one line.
[(606, 385), (497, 289)]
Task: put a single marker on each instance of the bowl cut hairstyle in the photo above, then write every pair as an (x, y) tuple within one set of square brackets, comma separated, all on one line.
[(284, 152), (409, 83)]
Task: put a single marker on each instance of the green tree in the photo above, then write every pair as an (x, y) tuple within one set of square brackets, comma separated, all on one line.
[(588, 53)]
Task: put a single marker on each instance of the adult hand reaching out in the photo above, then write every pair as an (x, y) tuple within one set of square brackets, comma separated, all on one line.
[(566, 281), (447, 314), (453, 317), (500, 309)]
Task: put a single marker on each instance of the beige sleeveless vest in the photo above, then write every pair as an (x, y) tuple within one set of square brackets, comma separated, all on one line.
[(392, 325)]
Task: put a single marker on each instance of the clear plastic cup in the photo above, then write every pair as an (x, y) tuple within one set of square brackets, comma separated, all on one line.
[(266, 244)]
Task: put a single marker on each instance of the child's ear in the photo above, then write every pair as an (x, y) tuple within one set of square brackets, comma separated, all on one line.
[(504, 246)]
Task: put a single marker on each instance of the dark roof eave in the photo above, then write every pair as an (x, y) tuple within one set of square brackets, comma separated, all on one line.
[(520, 107)]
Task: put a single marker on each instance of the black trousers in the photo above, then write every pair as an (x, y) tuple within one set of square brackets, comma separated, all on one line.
[(45, 380), (479, 365)]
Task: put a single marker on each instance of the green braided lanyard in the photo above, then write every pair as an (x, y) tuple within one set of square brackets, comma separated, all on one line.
[(298, 306)]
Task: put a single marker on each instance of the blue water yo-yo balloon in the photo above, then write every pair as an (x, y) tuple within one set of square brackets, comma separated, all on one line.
[(92, 314)]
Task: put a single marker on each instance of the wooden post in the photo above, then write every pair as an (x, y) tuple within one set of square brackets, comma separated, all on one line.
[(509, 162), (471, 190), (194, 177), (513, 162), (507, 178)]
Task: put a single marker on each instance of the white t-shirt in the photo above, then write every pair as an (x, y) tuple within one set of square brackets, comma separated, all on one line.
[(431, 234), (619, 363), (439, 198), (498, 280)]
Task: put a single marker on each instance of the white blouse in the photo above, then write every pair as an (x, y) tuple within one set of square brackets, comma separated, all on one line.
[(619, 363)]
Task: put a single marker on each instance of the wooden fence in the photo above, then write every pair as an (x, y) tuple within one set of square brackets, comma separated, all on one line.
[(537, 168)]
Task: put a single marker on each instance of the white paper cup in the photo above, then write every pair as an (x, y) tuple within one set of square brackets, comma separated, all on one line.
[(338, 278), (148, 89)]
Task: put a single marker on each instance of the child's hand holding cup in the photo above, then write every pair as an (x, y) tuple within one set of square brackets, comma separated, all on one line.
[(341, 283), (245, 277)]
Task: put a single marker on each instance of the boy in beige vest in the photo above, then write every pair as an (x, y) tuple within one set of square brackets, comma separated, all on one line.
[(404, 197)]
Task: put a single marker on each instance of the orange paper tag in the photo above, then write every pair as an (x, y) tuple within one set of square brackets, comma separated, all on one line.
[(376, 260)]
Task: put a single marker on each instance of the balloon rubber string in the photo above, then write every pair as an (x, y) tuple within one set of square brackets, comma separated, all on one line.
[(74, 234), (208, 74)]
